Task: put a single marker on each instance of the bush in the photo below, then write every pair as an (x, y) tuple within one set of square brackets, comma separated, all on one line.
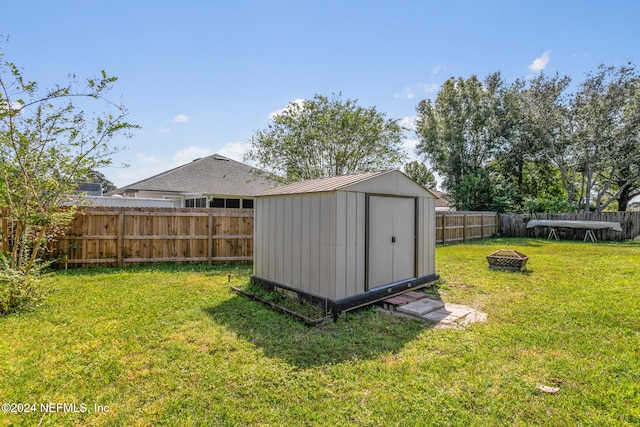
[(19, 291), (556, 204)]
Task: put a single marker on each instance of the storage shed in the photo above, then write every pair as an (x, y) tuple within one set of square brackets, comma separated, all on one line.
[(346, 241)]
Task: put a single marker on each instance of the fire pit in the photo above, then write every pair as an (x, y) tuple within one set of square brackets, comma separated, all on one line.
[(507, 259)]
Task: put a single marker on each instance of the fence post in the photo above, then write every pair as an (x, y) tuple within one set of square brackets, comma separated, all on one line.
[(120, 238), (444, 229), (210, 239), (464, 227)]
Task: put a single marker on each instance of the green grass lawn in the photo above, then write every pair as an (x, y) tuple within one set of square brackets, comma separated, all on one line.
[(174, 346)]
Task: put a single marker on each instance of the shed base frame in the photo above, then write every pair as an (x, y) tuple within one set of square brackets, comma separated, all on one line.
[(342, 305)]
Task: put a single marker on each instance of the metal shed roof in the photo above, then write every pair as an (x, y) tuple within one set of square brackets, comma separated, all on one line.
[(333, 183), (322, 184)]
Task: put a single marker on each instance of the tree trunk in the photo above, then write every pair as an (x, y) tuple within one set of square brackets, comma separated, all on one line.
[(623, 199)]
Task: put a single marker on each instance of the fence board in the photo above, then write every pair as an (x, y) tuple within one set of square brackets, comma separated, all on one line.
[(512, 225), (119, 236), (458, 226)]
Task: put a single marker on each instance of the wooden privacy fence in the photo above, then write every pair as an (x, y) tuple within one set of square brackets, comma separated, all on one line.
[(119, 236), (111, 236), (514, 225), (456, 226)]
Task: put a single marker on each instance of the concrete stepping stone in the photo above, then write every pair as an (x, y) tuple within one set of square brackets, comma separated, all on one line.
[(457, 310), (421, 306), (441, 315)]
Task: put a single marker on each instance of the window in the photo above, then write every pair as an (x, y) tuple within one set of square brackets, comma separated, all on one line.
[(233, 203), (177, 201), (216, 203), (200, 202)]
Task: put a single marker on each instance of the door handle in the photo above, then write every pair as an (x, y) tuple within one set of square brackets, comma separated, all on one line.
[(393, 239)]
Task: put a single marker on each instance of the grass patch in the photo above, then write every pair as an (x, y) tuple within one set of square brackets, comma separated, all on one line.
[(287, 301), (173, 345)]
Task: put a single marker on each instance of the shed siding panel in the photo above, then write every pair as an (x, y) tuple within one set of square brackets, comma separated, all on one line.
[(268, 235), (287, 243), (278, 239), (430, 236), (257, 239), (327, 240), (296, 244), (314, 245), (306, 243), (355, 243), (360, 244), (341, 250), (422, 221), (265, 237)]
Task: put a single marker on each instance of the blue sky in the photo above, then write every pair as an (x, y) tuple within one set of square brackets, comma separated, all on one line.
[(201, 77)]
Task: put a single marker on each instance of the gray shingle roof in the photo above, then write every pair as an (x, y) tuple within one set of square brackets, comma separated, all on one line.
[(214, 174), (441, 202)]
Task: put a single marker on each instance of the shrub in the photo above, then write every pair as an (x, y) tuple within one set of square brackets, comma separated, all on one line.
[(19, 291)]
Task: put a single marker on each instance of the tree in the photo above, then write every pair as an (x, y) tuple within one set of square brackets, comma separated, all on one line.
[(460, 134), (604, 128), (421, 174), (99, 178), (324, 137), (47, 145), (531, 117)]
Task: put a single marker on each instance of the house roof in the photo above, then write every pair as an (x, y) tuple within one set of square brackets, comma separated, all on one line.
[(391, 181), (215, 174), (441, 202)]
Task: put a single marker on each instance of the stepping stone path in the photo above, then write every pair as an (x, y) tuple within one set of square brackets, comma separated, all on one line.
[(429, 308)]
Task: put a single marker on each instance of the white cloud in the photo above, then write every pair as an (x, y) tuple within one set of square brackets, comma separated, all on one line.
[(540, 64), (234, 150), (189, 154), (180, 118), (410, 92), (142, 166), (430, 87), (436, 70), (146, 159), (164, 129), (297, 102), (577, 55), (407, 93)]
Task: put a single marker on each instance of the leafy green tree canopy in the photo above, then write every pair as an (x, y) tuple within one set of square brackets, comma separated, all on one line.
[(99, 178), (324, 137), (505, 146), (459, 135), (421, 174)]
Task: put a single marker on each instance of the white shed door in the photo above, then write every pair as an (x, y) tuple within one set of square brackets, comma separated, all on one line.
[(391, 240)]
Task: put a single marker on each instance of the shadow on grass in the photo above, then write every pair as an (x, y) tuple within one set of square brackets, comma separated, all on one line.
[(362, 334)]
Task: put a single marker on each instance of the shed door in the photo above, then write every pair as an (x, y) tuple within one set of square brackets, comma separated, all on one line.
[(391, 240)]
